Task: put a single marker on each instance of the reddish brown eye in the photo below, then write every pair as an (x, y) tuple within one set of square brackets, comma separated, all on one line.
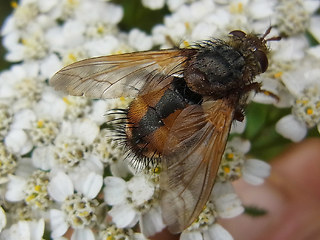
[(238, 33), (262, 59)]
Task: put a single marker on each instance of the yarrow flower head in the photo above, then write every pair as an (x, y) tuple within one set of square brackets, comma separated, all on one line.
[(134, 200), (78, 210), (235, 165), (305, 111), (205, 226), (8, 163), (112, 232)]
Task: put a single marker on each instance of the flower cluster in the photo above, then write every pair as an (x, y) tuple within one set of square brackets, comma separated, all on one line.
[(62, 175)]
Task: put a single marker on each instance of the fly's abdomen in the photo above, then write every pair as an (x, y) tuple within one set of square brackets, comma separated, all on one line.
[(151, 116)]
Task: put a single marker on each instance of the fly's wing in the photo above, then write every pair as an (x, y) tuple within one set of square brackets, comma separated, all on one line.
[(191, 159), (118, 75)]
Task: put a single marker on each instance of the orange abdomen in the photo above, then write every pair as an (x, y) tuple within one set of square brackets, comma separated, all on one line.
[(151, 116)]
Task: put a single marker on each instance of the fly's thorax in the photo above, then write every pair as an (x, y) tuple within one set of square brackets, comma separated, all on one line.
[(216, 69), (221, 68)]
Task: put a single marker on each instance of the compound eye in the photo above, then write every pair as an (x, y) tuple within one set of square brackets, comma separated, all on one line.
[(238, 33), (262, 59)]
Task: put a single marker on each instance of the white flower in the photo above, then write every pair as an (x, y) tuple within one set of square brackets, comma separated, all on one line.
[(8, 163), (43, 158), (108, 151), (27, 230), (111, 231), (32, 190), (17, 139), (139, 40), (303, 84), (173, 5), (151, 222), (214, 232), (15, 188), (293, 17), (226, 201), (21, 85), (153, 4), (51, 106), (255, 171), (234, 164), (289, 127), (132, 201), (205, 226), (72, 144), (100, 47), (78, 210)]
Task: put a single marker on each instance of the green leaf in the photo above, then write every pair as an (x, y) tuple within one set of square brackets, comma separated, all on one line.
[(266, 143), (255, 211)]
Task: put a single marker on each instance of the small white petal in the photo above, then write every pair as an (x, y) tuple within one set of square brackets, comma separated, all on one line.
[(293, 82), (15, 188), (221, 189), (51, 105), (46, 6), (151, 222), (153, 4), (92, 185), (19, 230), (43, 158), (119, 169), (24, 169), (50, 65), (123, 216), (36, 229), (240, 144), (73, 32), (115, 190), (261, 9), (311, 6), (314, 51), (174, 4), (18, 142), (86, 130), (3, 219), (141, 189), (60, 187), (23, 119), (140, 40), (229, 206), (290, 49), (289, 127), (217, 232), (315, 27), (238, 127), (226, 200), (255, 171), (138, 236), (186, 235), (82, 234), (58, 223), (99, 109)]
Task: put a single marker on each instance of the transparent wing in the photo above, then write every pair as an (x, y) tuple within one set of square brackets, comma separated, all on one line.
[(118, 75), (191, 159)]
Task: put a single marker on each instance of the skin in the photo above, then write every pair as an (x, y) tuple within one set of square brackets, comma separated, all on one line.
[(291, 196)]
